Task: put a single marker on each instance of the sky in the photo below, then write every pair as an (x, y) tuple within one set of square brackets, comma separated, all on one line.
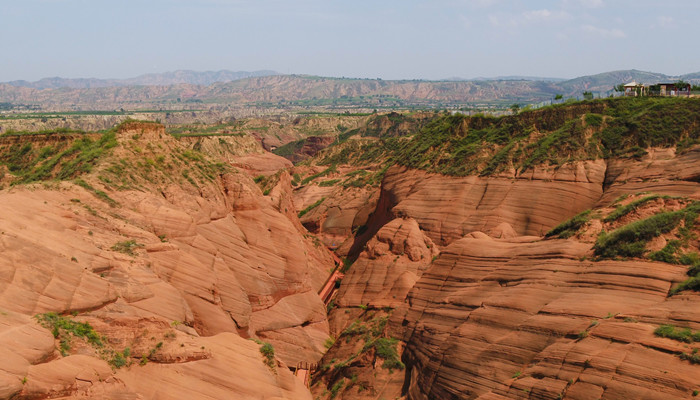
[(388, 39)]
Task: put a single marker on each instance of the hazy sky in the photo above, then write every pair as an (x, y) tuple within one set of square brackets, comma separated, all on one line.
[(356, 38)]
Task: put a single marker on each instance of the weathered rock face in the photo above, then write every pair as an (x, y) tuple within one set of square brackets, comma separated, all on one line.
[(502, 313), (341, 211), (389, 267), (310, 147), (179, 274), (261, 164), (447, 208), (503, 319), (662, 171), (233, 370)]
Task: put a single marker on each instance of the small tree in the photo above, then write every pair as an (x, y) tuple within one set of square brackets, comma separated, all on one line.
[(588, 95), (681, 84), (558, 97), (515, 108), (619, 88)]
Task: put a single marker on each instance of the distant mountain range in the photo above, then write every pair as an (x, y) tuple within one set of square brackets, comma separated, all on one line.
[(509, 78), (161, 79), (268, 89)]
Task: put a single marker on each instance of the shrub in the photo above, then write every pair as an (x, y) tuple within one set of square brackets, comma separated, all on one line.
[(594, 120), (624, 210), (630, 240), (126, 247), (569, 228), (679, 334), (328, 183), (336, 388), (311, 207), (386, 349), (668, 253), (119, 360), (689, 284), (269, 353), (694, 358), (64, 328)]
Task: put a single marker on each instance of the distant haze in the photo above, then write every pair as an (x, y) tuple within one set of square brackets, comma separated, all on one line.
[(390, 39)]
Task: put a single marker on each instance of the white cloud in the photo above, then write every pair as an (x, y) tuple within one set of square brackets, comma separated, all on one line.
[(592, 3), (663, 22), (545, 15), (604, 32), (528, 17), (484, 3)]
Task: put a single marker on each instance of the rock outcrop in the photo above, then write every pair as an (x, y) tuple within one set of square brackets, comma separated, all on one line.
[(503, 313), (175, 275)]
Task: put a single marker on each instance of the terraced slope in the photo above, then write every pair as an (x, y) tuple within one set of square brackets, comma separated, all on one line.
[(153, 261), (573, 277)]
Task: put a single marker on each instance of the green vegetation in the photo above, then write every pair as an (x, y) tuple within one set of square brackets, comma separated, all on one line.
[(679, 334), (482, 145), (329, 170), (269, 353), (47, 132), (64, 328), (693, 357), (127, 247), (98, 193), (668, 253), (336, 388), (569, 228), (595, 120), (371, 333), (386, 349), (328, 183), (311, 207), (61, 161), (682, 335), (153, 164), (267, 183), (120, 358), (630, 240), (290, 148), (621, 211)]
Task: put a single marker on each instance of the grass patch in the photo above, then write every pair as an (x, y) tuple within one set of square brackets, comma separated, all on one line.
[(386, 349), (621, 211), (311, 207), (328, 183), (325, 172), (679, 334), (98, 193), (127, 247), (64, 329), (61, 161), (459, 145), (630, 240), (569, 228)]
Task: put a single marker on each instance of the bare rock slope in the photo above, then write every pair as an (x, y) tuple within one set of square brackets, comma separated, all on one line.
[(173, 274), (502, 312)]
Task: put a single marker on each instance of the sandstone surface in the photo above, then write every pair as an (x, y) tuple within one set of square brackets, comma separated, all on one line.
[(178, 273)]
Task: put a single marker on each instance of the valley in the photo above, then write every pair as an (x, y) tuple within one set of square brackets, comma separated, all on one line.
[(190, 253)]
